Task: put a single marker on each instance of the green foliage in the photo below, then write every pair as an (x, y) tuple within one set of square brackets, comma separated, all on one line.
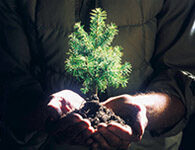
[(92, 59)]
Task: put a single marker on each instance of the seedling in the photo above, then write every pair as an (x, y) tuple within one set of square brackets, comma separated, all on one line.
[(92, 60)]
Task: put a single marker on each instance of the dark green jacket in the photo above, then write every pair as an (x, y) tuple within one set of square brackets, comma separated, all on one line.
[(157, 38)]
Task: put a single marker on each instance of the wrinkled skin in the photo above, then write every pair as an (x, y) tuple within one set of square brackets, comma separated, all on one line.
[(115, 136)]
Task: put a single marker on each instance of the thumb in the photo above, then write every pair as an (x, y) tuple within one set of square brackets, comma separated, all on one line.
[(140, 123), (109, 102), (53, 113), (54, 109), (53, 116)]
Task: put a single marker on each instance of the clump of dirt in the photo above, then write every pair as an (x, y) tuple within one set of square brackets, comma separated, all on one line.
[(97, 113)]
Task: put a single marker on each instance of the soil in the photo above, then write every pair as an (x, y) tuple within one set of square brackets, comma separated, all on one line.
[(97, 113)]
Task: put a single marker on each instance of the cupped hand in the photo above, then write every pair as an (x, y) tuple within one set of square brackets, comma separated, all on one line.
[(63, 102), (65, 125), (135, 113), (71, 129)]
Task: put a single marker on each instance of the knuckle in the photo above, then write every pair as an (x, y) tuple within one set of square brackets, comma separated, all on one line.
[(126, 96), (83, 125), (75, 117), (86, 121)]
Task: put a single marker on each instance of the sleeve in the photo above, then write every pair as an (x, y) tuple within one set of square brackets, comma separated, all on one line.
[(174, 57), (22, 98)]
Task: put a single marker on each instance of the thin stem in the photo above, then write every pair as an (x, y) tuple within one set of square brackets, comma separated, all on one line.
[(96, 90)]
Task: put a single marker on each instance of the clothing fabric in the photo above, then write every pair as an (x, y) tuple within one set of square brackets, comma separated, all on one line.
[(157, 39)]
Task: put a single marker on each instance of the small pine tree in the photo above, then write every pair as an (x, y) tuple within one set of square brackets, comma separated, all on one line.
[(92, 59)]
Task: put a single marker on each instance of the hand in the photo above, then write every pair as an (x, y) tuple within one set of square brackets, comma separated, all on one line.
[(63, 102), (71, 129), (127, 107), (67, 127), (113, 136)]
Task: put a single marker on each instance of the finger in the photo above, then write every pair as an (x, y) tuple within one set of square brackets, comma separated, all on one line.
[(83, 137), (140, 123), (101, 141), (67, 135), (71, 98), (112, 139), (69, 120), (65, 107), (71, 132), (123, 132), (65, 122), (53, 113)]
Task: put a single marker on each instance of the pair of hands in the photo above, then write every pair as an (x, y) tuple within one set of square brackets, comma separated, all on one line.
[(73, 129)]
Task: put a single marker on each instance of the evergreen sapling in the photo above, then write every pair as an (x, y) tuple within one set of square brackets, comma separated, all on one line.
[(95, 63)]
